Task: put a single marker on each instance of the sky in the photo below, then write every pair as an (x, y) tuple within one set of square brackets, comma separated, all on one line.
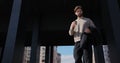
[(66, 54)]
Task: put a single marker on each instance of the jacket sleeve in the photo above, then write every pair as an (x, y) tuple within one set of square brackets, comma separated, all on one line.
[(96, 36), (92, 26)]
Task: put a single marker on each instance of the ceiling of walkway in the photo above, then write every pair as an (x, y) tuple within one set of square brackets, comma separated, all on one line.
[(54, 18)]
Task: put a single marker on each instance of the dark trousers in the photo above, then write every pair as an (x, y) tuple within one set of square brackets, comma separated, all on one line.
[(83, 49)]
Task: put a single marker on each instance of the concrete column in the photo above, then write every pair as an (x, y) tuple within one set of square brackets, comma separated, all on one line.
[(1, 53), (110, 13), (34, 58), (51, 54), (19, 52), (98, 54), (114, 13), (47, 54), (12, 32), (38, 54)]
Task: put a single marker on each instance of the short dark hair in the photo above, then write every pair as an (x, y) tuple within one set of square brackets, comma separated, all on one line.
[(77, 7)]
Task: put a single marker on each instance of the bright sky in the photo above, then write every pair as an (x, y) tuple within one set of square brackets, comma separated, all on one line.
[(66, 54)]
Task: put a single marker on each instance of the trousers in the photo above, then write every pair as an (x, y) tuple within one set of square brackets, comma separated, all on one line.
[(83, 50)]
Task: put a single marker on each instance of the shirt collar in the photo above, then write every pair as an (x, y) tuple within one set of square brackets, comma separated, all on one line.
[(78, 19)]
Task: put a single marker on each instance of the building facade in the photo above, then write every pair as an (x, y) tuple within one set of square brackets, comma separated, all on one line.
[(56, 55), (42, 54), (26, 57)]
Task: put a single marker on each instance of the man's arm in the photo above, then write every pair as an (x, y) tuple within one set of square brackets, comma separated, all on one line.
[(72, 26), (91, 27)]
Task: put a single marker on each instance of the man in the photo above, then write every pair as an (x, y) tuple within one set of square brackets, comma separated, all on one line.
[(81, 28)]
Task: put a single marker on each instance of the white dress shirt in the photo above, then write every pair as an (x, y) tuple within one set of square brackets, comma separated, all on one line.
[(82, 24)]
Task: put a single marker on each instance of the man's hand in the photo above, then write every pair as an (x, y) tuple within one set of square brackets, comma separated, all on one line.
[(87, 30)]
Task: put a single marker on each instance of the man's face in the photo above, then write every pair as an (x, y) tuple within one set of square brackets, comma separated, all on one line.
[(78, 12)]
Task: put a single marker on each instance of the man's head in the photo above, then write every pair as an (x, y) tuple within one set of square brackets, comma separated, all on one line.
[(78, 11)]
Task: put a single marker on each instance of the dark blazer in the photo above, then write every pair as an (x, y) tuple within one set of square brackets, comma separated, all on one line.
[(95, 37)]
